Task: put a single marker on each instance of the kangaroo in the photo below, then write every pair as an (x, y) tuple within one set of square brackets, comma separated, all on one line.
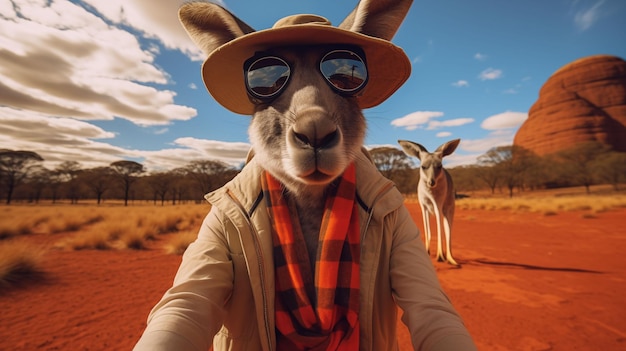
[(309, 247), (435, 192), (311, 132)]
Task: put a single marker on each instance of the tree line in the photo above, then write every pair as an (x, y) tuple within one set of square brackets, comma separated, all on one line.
[(23, 178), (514, 169), (504, 168)]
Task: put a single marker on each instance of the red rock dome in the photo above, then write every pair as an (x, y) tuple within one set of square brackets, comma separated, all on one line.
[(583, 101)]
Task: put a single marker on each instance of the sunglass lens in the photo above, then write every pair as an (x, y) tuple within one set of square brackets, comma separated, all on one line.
[(267, 76), (345, 70)]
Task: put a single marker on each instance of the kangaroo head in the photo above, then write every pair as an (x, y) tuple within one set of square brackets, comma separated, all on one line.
[(304, 82), (431, 166)]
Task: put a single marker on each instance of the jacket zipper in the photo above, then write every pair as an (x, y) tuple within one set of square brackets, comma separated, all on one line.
[(259, 252), (370, 213)]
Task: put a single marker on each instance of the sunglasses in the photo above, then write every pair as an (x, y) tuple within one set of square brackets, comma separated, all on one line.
[(267, 76)]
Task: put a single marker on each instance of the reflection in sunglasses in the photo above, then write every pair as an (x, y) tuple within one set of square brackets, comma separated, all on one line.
[(265, 77), (344, 74)]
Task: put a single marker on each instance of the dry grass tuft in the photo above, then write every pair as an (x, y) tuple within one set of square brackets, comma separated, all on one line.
[(103, 227), (546, 204), (179, 242), (168, 224), (20, 263), (135, 240), (91, 240), (12, 229), (117, 228)]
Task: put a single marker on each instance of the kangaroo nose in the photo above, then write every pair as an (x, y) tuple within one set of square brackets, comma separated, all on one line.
[(317, 133), (316, 141)]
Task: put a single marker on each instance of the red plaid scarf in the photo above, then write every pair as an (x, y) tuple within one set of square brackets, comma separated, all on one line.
[(334, 323)]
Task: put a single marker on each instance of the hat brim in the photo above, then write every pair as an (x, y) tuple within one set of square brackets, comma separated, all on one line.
[(222, 71)]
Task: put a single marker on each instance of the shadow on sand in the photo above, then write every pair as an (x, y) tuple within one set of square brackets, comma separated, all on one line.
[(530, 266)]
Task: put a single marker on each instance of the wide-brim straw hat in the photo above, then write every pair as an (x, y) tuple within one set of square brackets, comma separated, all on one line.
[(222, 71)]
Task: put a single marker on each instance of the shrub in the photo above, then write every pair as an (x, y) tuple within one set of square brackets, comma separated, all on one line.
[(136, 239), (92, 240), (11, 229), (19, 264)]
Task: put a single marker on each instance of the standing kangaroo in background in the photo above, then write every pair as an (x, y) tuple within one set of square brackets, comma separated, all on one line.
[(309, 247), (435, 192)]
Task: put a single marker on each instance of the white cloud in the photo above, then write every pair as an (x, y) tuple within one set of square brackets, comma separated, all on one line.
[(192, 149), (62, 67), (480, 57), (414, 120), (229, 152), (461, 83), (584, 19), (443, 134), (505, 120), (490, 74), (510, 91), (59, 139), (157, 22), (435, 124), (481, 146), (59, 59), (458, 159)]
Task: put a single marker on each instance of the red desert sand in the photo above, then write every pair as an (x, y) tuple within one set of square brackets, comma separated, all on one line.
[(528, 282)]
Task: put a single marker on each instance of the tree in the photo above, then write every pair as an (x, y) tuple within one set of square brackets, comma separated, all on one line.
[(611, 168), (466, 178), (38, 179), (67, 173), (207, 174), (579, 162), (539, 172), (397, 166), (98, 180), (160, 183), (509, 164), (179, 184), (15, 167), (127, 172), (389, 159), (488, 170), (516, 170)]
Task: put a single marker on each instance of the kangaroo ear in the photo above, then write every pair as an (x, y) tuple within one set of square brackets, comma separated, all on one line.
[(449, 147), (210, 25), (412, 149), (377, 18)]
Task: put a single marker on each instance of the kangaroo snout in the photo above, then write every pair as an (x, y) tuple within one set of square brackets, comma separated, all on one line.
[(316, 132)]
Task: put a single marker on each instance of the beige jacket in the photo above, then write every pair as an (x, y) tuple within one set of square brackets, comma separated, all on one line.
[(224, 289)]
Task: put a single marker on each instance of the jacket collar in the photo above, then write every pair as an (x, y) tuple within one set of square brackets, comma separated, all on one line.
[(372, 187)]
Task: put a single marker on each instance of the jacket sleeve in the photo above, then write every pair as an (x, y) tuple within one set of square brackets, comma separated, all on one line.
[(192, 310), (428, 313)]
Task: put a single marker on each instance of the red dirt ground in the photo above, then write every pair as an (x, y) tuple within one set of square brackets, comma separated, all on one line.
[(527, 282)]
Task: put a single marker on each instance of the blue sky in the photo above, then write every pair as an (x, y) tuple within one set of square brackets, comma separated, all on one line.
[(96, 81)]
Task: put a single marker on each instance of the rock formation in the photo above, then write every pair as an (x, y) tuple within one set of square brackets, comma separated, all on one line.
[(582, 101)]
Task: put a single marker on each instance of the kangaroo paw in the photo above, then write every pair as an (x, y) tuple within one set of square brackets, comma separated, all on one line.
[(452, 261)]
